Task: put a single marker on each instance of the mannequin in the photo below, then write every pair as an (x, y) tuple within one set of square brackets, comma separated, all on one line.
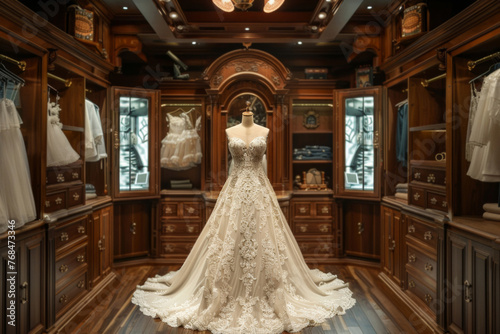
[(247, 130)]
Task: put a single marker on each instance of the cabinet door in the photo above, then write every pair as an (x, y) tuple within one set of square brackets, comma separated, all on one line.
[(135, 147), (457, 279), (132, 223), (362, 229), (358, 128), (106, 237), (391, 254)]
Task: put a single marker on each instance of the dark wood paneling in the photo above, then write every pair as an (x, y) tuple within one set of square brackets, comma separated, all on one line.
[(362, 229), (132, 221)]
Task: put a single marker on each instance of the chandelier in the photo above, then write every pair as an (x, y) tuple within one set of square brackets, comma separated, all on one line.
[(230, 5)]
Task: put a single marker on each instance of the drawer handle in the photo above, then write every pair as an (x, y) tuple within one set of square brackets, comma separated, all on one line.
[(324, 228), (64, 236), (412, 258), (81, 229), (60, 178), (117, 140), (428, 235), (64, 268), (445, 204), (47, 204), (428, 298), (81, 258), (302, 209), (58, 200), (361, 228), (168, 248), (303, 228), (468, 287), (417, 176), (76, 196), (416, 196), (411, 284), (80, 285), (325, 209), (411, 228), (431, 178), (190, 229), (133, 228), (190, 210), (168, 210), (393, 245), (434, 201), (75, 175), (100, 246), (428, 267), (63, 299), (170, 228), (26, 297)]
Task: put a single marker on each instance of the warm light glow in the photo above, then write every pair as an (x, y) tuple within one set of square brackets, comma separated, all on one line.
[(173, 15), (322, 15), (225, 5), (272, 5), (247, 28), (125, 8), (369, 7)]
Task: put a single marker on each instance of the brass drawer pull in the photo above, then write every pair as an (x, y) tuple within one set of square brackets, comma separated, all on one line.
[(434, 201), (412, 258), (168, 210), (47, 204), (411, 284), (60, 178), (416, 196), (75, 175), (428, 235), (324, 228), (416, 176), (133, 228), (411, 228), (81, 229), (190, 210), (325, 209), (80, 258), (467, 295), (428, 298), (303, 228), (64, 268), (428, 267), (170, 228), (361, 228), (168, 248), (80, 285), (26, 297), (302, 209), (190, 229), (58, 200), (117, 140), (64, 236), (100, 246), (76, 196), (431, 178), (63, 299), (393, 245), (445, 204)]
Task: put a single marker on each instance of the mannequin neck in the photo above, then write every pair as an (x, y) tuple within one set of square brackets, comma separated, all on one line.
[(247, 119)]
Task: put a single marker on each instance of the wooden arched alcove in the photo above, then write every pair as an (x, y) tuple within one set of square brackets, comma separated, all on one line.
[(235, 74)]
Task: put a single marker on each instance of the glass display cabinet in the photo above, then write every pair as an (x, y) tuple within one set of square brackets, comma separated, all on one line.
[(135, 158), (359, 138)]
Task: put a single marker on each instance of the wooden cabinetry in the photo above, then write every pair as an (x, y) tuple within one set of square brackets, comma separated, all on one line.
[(361, 229), (392, 232), (22, 272), (473, 284), (102, 244), (132, 229)]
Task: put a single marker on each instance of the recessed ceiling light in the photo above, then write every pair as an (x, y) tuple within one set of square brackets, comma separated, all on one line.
[(299, 42), (247, 28), (193, 42), (125, 8), (173, 15), (369, 7), (322, 15), (328, 0)]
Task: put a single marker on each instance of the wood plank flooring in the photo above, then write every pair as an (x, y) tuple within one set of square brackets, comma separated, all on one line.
[(114, 313)]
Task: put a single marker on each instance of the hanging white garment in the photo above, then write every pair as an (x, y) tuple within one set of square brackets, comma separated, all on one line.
[(474, 101), (59, 150), (169, 151), (485, 133), (245, 273), (95, 148), (16, 195)]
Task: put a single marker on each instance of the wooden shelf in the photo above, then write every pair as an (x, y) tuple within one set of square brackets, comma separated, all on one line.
[(431, 127), (428, 163), (312, 161), (73, 128)]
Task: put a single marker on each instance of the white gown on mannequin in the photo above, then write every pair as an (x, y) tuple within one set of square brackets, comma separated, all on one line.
[(245, 273), (59, 150), (16, 195)]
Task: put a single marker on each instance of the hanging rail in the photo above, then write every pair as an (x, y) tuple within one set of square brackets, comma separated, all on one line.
[(21, 64), (67, 83), (426, 83), (472, 63)]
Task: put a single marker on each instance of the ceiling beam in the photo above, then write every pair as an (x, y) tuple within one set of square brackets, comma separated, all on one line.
[(342, 15), (153, 15)]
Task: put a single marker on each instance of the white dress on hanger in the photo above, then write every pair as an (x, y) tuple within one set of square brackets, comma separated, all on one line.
[(169, 150), (192, 151), (245, 273), (95, 148), (59, 150), (16, 195)]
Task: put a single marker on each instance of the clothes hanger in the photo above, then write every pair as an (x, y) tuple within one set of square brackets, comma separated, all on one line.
[(490, 70), (10, 75), (401, 103)]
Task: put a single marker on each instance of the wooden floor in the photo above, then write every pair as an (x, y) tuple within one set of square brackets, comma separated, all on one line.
[(114, 313)]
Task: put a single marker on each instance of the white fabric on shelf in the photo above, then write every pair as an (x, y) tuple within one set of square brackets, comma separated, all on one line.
[(491, 216), (95, 147), (491, 207), (16, 195), (401, 195)]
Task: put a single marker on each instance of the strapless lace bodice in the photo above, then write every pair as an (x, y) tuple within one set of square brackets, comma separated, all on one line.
[(247, 157)]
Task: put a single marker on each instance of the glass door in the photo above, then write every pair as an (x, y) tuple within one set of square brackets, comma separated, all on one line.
[(135, 160), (359, 140)]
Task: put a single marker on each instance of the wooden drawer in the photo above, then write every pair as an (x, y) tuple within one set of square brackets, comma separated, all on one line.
[(437, 201), (324, 210), (322, 247), (62, 174), (55, 201), (76, 196), (70, 294), (302, 210), (191, 210), (416, 196), (313, 228), (169, 210), (422, 232), (429, 175), (176, 247), (421, 262), (70, 233), (67, 264), (177, 228), (421, 291)]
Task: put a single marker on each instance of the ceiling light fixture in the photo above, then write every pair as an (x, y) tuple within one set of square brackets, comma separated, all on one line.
[(369, 7), (125, 8), (173, 15), (247, 28), (230, 5), (322, 15)]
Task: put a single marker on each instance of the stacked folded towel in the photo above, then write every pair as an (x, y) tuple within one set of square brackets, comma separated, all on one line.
[(313, 152), (181, 184), (492, 211), (402, 191), (90, 191)]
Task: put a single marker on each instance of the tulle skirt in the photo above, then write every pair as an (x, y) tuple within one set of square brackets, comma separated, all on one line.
[(59, 150)]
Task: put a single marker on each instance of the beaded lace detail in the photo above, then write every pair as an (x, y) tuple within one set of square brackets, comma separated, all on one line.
[(245, 273)]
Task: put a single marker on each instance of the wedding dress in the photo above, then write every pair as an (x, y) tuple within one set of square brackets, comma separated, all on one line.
[(245, 273)]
